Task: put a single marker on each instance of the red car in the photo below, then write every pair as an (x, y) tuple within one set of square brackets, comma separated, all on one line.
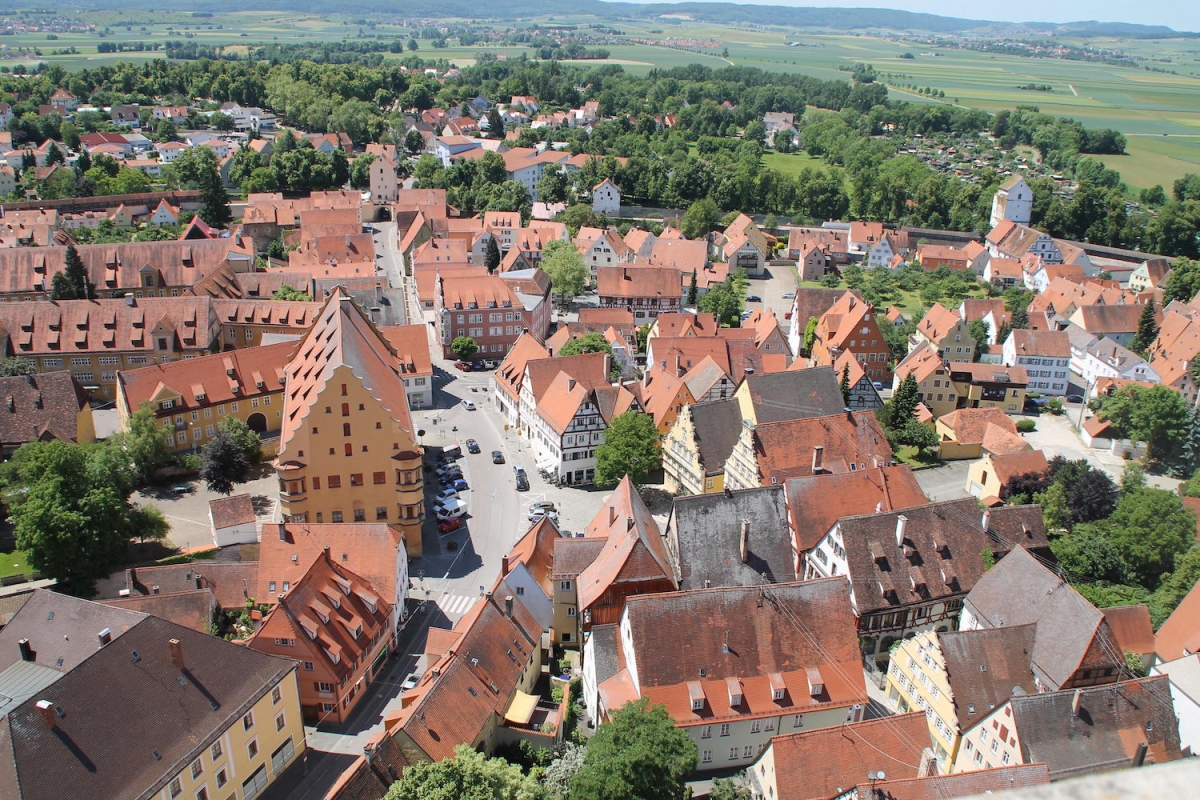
[(453, 524), (463, 365)]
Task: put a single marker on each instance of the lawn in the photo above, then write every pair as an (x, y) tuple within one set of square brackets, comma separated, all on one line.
[(14, 562), (792, 163)]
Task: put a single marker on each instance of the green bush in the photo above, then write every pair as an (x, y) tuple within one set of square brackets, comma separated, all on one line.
[(1026, 426)]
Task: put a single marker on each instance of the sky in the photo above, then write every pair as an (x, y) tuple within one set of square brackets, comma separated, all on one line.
[(1182, 15)]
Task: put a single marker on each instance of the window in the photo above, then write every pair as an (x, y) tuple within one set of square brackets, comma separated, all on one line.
[(327, 708), (379, 477), (356, 479), (1004, 759), (756, 726), (733, 752), (570, 611), (798, 722), (280, 722), (326, 688), (725, 729), (564, 586), (252, 749), (335, 481), (336, 516), (176, 787), (277, 692), (253, 786), (309, 666), (747, 751), (222, 778), (706, 731), (215, 751), (202, 794), (706, 757), (197, 768), (248, 721), (995, 745), (360, 515), (381, 512)]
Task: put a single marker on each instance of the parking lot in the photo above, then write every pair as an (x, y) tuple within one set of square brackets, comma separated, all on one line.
[(187, 512)]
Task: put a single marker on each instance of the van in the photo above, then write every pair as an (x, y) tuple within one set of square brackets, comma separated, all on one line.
[(453, 451), (522, 479)]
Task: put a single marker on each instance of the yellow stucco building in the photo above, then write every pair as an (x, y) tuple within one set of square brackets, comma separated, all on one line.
[(348, 450)]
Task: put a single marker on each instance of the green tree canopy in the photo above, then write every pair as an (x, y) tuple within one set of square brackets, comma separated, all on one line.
[(588, 343), (467, 776), (248, 441), (1156, 415), (1150, 528), (1184, 281), (1147, 330), (11, 367), (223, 464), (563, 263), (286, 292), (630, 448), (464, 347), (700, 218), (145, 447), (491, 255), (638, 754)]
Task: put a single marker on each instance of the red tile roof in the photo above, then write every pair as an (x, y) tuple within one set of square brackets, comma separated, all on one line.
[(788, 449), (229, 511), (371, 550), (219, 378), (817, 502), (1180, 634), (36, 406)]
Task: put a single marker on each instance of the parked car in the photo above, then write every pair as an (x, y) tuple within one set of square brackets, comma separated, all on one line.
[(472, 447), (182, 488), (545, 504), (445, 512), (789, 295), (787, 315), (452, 452), (447, 525), (465, 366), (497, 457), (469, 405), (460, 485), (449, 472), (447, 493), (536, 515), (753, 299), (522, 478), (410, 682)]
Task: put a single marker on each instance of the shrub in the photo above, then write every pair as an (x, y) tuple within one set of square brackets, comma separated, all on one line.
[(1026, 426)]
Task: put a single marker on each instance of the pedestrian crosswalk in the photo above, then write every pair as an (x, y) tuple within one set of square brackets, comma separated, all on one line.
[(455, 604)]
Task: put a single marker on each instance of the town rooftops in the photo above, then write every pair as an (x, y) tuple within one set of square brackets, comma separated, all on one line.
[(1044, 344), (717, 424), (287, 551), (817, 502), (208, 380), (33, 406), (985, 667), (834, 443), (1180, 635), (795, 394)]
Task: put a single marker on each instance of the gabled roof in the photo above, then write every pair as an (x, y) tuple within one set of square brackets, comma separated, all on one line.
[(922, 362), (1071, 632), (984, 782), (62, 631), (985, 667), (797, 394), (1010, 465), (1110, 318), (1112, 723), (817, 502), (1131, 627), (1052, 344), (222, 377), (828, 444), (129, 701), (826, 763), (735, 539), (511, 374), (938, 322), (638, 282), (342, 336), (717, 425), (536, 551), (789, 634), (229, 511), (288, 550), (634, 550), (33, 406), (191, 609), (970, 425), (1180, 634)]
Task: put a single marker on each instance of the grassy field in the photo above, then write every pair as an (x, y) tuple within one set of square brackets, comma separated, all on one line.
[(14, 562), (791, 163)]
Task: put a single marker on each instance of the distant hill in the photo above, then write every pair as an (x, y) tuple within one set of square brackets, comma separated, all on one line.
[(834, 19)]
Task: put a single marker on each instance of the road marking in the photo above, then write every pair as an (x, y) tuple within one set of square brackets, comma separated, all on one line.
[(456, 604)]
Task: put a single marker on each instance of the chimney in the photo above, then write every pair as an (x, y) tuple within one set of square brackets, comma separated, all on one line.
[(1076, 700), (745, 547), (368, 752), (818, 459), (901, 524), (508, 605), (612, 515), (26, 650), (177, 653), (570, 384), (1139, 757), (678, 366), (104, 636), (629, 523), (46, 711), (503, 566), (987, 519)]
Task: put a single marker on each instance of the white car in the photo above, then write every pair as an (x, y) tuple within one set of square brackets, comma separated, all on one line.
[(469, 405), (451, 512), (449, 493), (536, 514)]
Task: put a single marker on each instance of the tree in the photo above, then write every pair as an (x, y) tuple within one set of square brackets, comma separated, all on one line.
[(579, 215), (979, 332), (467, 776), (916, 434), (810, 334), (558, 773), (903, 405), (588, 343), (286, 292), (495, 124), (1150, 528), (1175, 585), (563, 263), (220, 121), (1184, 281), (72, 519), (412, 45), (638, 754), (414, 142), (630, 448), (1055, 513), (12, 367), (223, 464), (699, 219), (1156, 415), (1087, 555), (464, 347), (72, 283), (733, 788), (360, 171), (1093, 497), (144, 445), (246, 439), (491, 255), (197, 168), (1147, 330), (844, 384)]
